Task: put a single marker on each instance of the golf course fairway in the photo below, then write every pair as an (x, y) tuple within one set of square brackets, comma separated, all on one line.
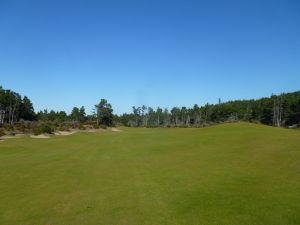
[(230, 174)]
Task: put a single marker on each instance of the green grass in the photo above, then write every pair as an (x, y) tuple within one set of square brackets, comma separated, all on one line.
[(227, 174)]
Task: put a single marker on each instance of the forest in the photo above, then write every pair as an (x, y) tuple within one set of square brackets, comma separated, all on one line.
[(277, 110)]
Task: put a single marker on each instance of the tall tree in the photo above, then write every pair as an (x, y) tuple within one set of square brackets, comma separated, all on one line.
[(26, 110), (136, 112), (159, 112), (196, 115), (82, 114), (62, 116), (78, 115), (104, 113), (175, 112), (144, 115)]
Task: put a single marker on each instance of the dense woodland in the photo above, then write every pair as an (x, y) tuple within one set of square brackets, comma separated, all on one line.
[(17, 115), (278, 110)]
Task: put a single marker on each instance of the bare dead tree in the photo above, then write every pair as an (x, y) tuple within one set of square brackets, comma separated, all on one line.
[(188, 120), (2, 115), (13, 113), (277, 111)]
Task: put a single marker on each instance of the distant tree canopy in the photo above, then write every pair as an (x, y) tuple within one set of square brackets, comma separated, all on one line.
[(277, 110), (13, 107), (78, 114)]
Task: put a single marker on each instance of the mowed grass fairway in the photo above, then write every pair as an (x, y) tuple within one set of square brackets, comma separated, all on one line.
[(226, 174)]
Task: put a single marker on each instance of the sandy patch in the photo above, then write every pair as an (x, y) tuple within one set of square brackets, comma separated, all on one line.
[(65, 133), (90, 130), (115, 129), (5, 137), (94, 130), (12, 136), (41, 136), (60, 133)]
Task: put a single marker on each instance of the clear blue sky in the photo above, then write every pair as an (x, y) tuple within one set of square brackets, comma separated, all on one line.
[(159, 53)]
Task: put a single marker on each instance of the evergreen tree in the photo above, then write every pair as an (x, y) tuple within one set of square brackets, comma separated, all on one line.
[(104, 113)]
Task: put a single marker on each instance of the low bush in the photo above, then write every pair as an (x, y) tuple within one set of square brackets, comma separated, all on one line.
[(43, 129), (12, 133), (95, 126), (2, 132), (63, 128), (37, 131), (102, 126), (46, 129), (9, 127), (82, 127)]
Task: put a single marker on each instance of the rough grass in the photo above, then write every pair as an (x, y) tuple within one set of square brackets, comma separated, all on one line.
[(228, 174)]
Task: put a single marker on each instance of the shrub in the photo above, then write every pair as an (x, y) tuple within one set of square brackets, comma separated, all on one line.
[(37, 131), (2, 132), (47, 129), (102, 126), (21, 127), (44, 128), (82, 127), (95, 126), (63, 128), (9, 127)]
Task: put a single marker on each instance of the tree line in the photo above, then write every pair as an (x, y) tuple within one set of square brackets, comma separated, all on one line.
[(14, 109), (276, 110)]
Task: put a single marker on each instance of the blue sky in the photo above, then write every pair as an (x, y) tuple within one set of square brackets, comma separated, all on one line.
[(159, 53)]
